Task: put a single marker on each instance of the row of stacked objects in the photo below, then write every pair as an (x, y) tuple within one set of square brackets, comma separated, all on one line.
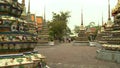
[(17, 43)]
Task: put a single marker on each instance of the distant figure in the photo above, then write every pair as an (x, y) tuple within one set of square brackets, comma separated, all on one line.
[(39, 65), (69, 40)]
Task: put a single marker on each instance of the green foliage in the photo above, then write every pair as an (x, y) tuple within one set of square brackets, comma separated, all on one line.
[(68, 31), (76, 29), (58, 25), (92, 36)]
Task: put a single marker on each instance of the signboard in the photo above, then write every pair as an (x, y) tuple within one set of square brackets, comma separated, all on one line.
[(32, 16), (39, 20)]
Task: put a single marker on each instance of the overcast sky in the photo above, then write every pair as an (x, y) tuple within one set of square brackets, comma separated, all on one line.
[(92, 9)]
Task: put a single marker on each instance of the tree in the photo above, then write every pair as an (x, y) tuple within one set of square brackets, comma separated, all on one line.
[(77, 29), (58, 25)]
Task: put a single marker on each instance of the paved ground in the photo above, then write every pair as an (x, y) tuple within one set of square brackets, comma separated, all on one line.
[(68, 56)]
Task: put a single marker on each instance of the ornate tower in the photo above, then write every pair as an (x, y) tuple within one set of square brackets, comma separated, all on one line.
[(102, 29), (29, 7), (82, 38), (111, 39), (23, 2), (81, 16), (82, 26), (24, 14), (16, 42), (44, 14), (28, 13), (109, 18), (44, 33), (102, 20), (109, 22)]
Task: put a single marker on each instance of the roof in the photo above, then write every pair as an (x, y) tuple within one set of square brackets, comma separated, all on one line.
[(92, 29)]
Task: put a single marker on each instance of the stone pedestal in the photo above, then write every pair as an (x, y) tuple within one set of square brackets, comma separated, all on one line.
[(81, 43), (43, 43), (92, 43), (51, 43), (108, 55)]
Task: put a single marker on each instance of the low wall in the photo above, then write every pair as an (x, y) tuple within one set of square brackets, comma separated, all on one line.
[(108, 55)]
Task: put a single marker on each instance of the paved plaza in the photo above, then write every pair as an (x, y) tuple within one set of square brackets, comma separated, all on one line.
[(66, 55)]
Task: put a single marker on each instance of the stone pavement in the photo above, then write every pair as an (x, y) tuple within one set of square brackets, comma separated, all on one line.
[(68, 56), (60, 65)]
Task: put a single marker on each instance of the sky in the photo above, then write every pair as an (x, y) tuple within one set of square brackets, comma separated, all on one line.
[(92, 10)]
